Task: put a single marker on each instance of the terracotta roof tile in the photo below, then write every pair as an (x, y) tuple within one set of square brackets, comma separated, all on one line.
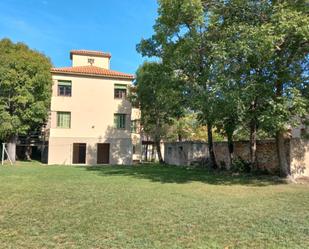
[(92, 70), (90, 52)]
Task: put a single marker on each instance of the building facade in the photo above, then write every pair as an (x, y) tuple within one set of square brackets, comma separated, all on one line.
[(91, 120)]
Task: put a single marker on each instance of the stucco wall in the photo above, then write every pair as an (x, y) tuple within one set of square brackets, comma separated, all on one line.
[(92, 106), (82, 60), (61, 150), (136, 138), (185, 153)]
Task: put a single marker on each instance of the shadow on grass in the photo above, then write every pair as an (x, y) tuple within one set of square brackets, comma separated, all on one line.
[(173, 174)]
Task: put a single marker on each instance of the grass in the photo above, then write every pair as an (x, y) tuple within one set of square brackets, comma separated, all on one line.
[(148, 207)]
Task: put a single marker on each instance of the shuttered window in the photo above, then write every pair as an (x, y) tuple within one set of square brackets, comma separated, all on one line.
[(120, 121), (120, 91), (64, 120), (64, 88)]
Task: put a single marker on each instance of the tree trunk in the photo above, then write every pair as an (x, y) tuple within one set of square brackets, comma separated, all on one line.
[(211, 147), (28, 149), (253, 131), (158, 147), (281, 152), (11, 148), (253, 134), (179, 137), (28, 153), (231, 148), (157, 140), (283, 162), (152, 153), (146, 152)]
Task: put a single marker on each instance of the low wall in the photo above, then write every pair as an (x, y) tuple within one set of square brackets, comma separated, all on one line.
[(266, 153), (185, 153), (297, 151)]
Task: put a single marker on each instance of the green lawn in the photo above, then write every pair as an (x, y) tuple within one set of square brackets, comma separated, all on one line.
[(148, 207)]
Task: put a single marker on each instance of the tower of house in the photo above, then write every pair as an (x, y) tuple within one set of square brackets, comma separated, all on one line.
[(90, 58)]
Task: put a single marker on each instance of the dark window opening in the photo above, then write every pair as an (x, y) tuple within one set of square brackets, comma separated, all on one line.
[(65, 88), (120, 93), (180, 149), (169, 151), (134, 149)]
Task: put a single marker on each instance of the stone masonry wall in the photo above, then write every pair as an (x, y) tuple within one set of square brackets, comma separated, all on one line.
[(187, 153), (299, 152), (266, 153)]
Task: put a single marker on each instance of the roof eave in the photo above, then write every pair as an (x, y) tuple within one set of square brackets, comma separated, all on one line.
[(93, 55), (95, 75)]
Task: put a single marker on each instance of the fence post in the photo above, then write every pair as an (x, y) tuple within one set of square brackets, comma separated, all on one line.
[(2, 154)]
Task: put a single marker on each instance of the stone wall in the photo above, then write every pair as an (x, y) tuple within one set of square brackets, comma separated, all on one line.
[(299, 152), (187, 153), (266, 153)]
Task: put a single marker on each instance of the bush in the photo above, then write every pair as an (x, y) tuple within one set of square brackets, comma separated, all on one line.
[(240, 165)]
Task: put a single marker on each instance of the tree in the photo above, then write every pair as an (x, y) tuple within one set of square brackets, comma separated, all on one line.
[(272, 37), (181, 128), (182, 40), (25, 91), (229, 111), (159, 94), (239, 53), (260, 48), (289, 29), (188, 128)]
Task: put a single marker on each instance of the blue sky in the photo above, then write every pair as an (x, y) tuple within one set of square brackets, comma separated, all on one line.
[(55, 27)]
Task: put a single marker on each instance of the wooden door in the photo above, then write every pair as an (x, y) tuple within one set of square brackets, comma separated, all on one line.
[(103, 154), (79, 153)]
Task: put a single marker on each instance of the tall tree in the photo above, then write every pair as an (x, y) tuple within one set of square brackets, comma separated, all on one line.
[(159, 94), (238, 40), (229, 111), (182, 40), (259, 46), (25, 91), (289, 33), (268, 52)]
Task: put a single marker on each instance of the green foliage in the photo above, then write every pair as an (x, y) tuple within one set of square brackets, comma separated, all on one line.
[(266, 49), (188, 128), (245, 63), (241, 166), (180, 40), (158, 92), (25, 88)]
